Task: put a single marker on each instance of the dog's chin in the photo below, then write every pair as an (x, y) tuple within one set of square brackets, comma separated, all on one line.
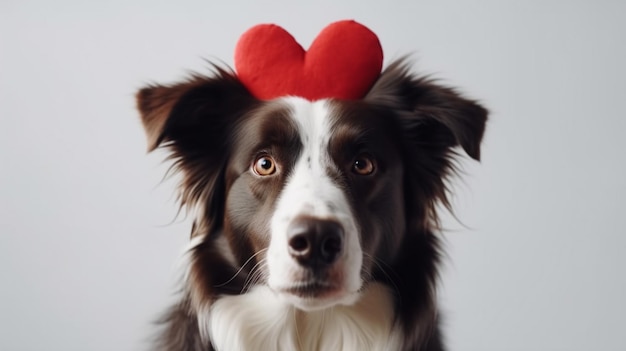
[(314, 296)]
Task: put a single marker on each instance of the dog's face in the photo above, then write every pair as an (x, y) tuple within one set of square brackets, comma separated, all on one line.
[(310, 198), (313, 187)]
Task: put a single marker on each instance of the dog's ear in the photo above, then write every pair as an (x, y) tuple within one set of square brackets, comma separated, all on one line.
[(432, 119), (189, 114), (155, 104), (436, 117), (194, 120)]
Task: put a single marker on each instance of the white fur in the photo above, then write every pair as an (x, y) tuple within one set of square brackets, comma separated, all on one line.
[(309, 191), (260, 320)]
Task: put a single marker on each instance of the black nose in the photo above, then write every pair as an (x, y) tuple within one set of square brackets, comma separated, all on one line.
[(314, 241)]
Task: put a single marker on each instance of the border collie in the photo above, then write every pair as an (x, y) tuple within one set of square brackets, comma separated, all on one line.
[(316, 221)]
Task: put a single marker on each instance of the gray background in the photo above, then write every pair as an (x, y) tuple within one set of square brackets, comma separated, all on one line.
[(89, 240)]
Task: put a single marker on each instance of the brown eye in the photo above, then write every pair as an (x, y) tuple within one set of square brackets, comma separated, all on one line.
[(264, 166), (363, 165)]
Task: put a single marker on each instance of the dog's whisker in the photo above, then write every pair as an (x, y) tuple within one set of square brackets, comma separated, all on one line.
[(379, 263), (256, 274), (240, 268)]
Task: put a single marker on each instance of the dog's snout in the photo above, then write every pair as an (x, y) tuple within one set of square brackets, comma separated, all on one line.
[(314, 241)]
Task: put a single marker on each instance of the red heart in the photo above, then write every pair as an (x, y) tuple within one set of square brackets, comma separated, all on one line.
[(343, 62)]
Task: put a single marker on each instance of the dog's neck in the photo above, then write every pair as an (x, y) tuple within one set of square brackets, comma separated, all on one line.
[(259, 320)]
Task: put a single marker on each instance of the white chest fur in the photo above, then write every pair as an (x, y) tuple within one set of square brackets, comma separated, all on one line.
[(259, 320)]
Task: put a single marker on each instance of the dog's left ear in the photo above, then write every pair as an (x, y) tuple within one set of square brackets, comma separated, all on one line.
[(436, 117)]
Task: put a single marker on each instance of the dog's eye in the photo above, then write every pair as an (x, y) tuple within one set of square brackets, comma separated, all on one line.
[(363, 165), (264, 166)]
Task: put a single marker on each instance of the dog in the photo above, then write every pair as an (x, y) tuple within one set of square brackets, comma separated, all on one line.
[(316, 223)]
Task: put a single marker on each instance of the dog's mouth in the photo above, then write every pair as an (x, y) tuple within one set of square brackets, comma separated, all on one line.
[(313, 289), (316, 294)]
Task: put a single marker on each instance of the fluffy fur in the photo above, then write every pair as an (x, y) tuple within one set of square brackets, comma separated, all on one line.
[(316, 220)]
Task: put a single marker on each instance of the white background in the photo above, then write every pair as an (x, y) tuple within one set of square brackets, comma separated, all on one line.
[(89, 241)]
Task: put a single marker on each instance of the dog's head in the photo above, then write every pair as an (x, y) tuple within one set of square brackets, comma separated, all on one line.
[(313, 199)]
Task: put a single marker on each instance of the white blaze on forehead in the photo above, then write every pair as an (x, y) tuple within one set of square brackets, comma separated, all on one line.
[(310, 174), (310, 191)]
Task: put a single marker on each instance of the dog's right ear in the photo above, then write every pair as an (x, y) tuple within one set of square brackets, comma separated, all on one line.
[(155, 104), (189, 114), (195, 121)]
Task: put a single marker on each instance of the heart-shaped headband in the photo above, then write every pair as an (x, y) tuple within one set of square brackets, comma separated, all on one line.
[(343, 62)]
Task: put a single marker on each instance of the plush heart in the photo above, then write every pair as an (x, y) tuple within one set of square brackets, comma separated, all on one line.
[(343, 62)]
